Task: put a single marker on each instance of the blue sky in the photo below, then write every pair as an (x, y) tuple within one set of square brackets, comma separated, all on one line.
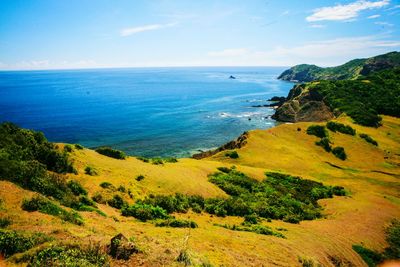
[(55, 34)]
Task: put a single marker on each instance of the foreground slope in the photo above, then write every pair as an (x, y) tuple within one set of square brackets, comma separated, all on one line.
[(370, 175)]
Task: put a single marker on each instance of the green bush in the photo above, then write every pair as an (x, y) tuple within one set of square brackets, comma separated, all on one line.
[(121, 189), (176, 223), (393, 239), (112, 153), (251, 219), (144, 212), (78, 146), (97, 197), (76, 188), (317, 130), (90, 171), (70, 255), (255, 228), (139, 177), (325, 144), (340, 127), (170, 160), (143, 159), (232, 154), (116, 202), (12, 242), (44, 205), (157, 161), (4, 222), (107, 185), (369, 139), (370, 257), (68, 148), (339, 152)]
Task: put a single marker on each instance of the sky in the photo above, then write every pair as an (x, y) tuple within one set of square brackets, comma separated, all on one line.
[(69, 34)]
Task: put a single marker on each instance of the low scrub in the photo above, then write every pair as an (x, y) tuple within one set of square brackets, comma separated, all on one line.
[(325, 144), (78, 146), (70, 255), (89, 170), (256, 228), (4, 222), (177, 223), (317, 130), (232, 154), (112, 153), (12, 242), (340, 127), (144, 212), (107, 185), (139, 178), (339, 153), (76, 188), (370, 257), (369, 139), (117, 202), (46, 206)]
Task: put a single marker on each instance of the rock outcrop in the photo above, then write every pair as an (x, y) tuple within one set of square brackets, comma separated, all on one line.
[(121, 248), (238, 143), (303, 105)]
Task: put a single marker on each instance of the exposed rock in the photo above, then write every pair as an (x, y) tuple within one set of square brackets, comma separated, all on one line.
[(238, 143), (120, 248), (303, 105)]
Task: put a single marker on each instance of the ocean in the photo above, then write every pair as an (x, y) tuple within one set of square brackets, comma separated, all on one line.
[(166, 112)]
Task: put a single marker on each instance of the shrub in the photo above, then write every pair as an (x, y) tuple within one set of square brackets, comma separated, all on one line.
[(232, 155), (12, 242), (143, 159), (170, 160), (370, 257), (78, 146), (339, 152), (70, 255), (250, 219), (76, 188), (255, 228), (340, 127), (107, 185), (44, 205), (90, 171), (177, 223), (184, 258), (393, 239), (4, 222), (139, 177), (112, 153), (68, 148), (224, 169), (121, 189), (97, 197), (325, 144), (317, 130), (369, 139), (144, 212), (116, 202), (157, 161)]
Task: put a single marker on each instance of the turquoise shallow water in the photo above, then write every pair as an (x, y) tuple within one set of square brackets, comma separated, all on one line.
[(149, 112)]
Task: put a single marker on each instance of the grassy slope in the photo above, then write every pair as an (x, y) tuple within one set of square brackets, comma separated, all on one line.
[(374, 199)]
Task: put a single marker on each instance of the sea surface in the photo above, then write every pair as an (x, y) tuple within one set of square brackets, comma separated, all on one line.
[(142, 111)]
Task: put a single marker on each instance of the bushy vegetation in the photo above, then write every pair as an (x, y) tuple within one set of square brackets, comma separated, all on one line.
[(232, 154), (139, 178), (279, 196), (4, 222), (89, 170), (112, 153), (68, 148), (117, 202), (144, 212), (340, 127), (46, 206), (373, 258), (339, 152), (176, 223), (255, 228), (325, 144), (107, 185), (70, 255), (158, 161), (369, 139), (317, 130), (12, 242), (78, 146), (365, 98), (76, 188)]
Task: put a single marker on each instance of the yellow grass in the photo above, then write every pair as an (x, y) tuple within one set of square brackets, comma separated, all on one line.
[(371, 175)]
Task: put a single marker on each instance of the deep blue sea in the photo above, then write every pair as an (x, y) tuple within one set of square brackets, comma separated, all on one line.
[(149, 112)]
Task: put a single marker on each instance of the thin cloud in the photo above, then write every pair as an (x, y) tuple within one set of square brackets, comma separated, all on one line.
[(317, 26), (345, 12), (130, 31), (229, 52), (374, 16), (383, 23)]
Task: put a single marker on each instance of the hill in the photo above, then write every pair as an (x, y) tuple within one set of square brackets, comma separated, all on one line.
[(363, 99), (369, 176), (350, 70)]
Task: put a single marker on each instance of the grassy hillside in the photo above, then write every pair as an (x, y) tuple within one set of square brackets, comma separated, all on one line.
[(350, 70), (370, 176)]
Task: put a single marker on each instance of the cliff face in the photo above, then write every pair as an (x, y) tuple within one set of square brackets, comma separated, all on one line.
[(350, 70), (303, 105)]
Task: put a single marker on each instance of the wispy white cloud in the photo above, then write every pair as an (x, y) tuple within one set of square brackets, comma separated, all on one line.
[(152, 27), (383, 23), (47, 64), (374, 16), (345, 12)]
